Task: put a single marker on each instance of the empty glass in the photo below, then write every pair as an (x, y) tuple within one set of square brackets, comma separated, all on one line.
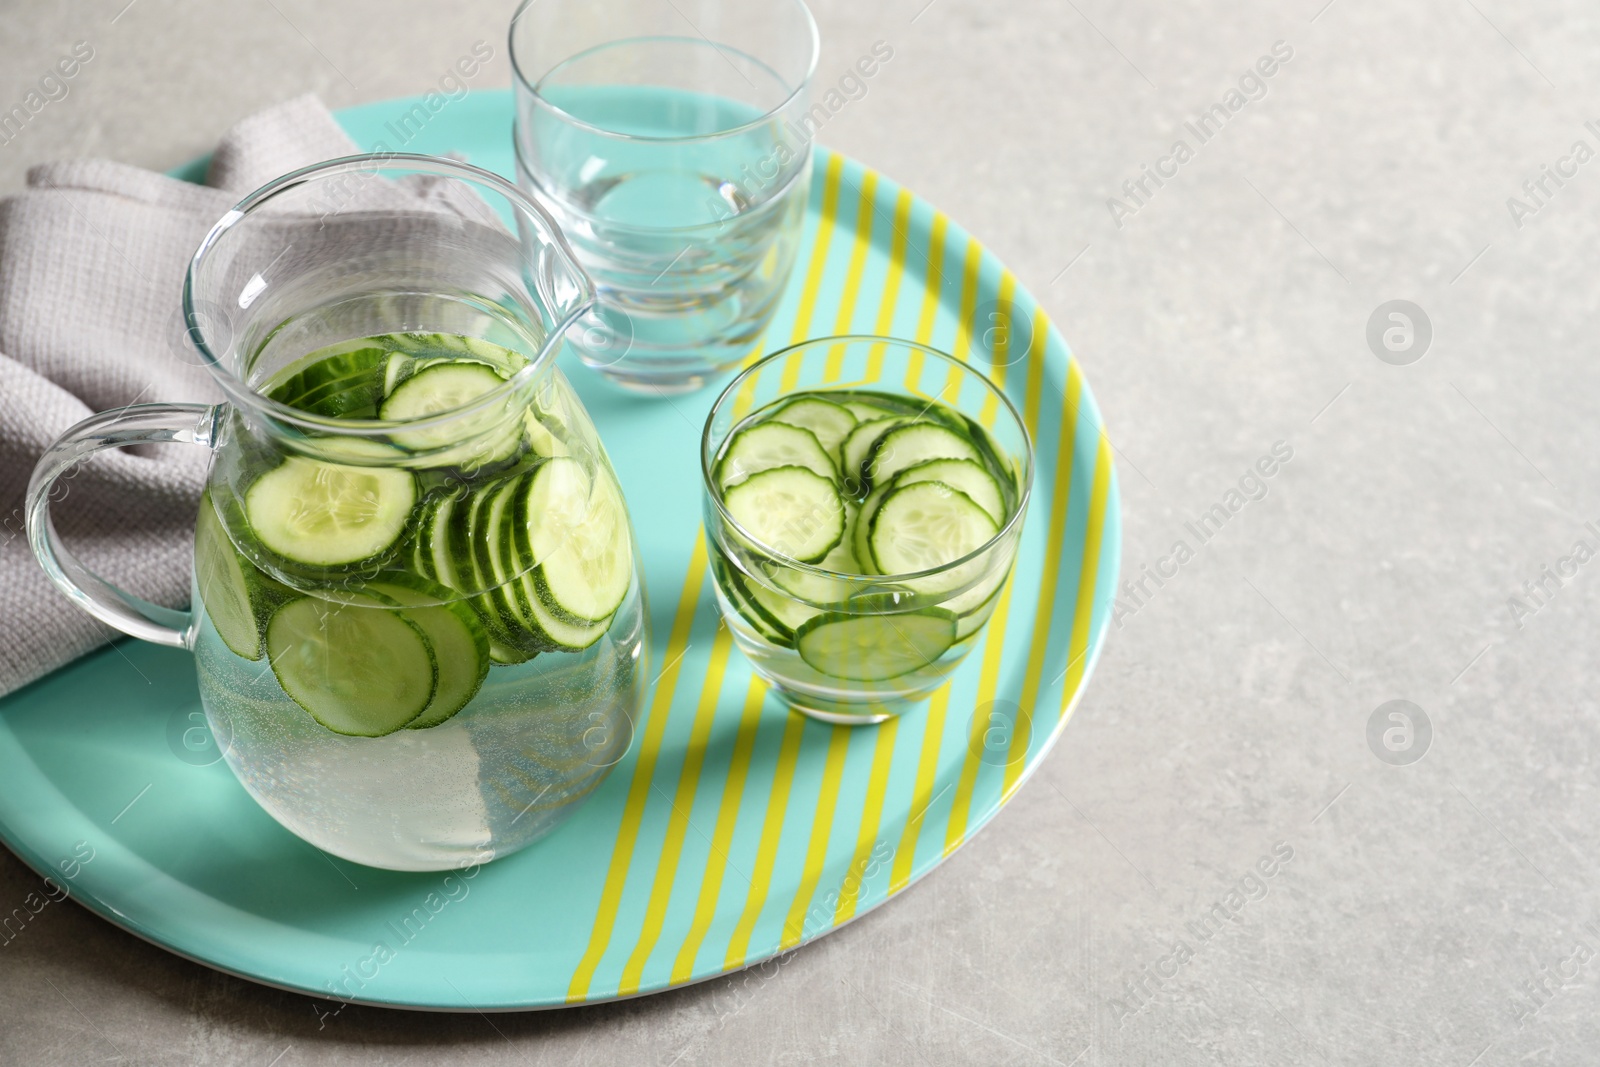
[(669, 139)]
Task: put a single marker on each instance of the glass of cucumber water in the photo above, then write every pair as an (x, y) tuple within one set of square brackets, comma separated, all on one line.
[(864, 498), (671, 141), (417, 615)]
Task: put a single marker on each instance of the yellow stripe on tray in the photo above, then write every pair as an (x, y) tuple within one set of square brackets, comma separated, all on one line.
[(644, 769), (767, 849), (871, 816), (1044, 616), (812, 286), (994, 641), (969, 299), (816, 260), (722, 836), (794, 926), (932, 287), (852, 279), (922, 794), (655, 915), (1001, 351), (962, 350), (1035, 388), (819, 255), (1084, 616), (891, 282)]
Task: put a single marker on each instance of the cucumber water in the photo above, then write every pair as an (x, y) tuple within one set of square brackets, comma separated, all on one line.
[(859, 547), (417, 604)]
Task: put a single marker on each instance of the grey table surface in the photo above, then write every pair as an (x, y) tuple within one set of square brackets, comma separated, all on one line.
[(1432, 910)]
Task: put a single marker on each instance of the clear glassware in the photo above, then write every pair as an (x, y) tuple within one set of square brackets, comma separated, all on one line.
[(896, 637), (670, 141), (399, 477)]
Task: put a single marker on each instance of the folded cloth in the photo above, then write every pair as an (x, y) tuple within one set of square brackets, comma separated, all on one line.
[(92, 260)]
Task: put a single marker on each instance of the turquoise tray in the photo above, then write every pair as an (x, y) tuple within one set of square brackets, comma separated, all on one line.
[(732, 831)]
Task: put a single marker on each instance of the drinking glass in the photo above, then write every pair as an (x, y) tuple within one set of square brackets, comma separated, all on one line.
[(378, 647), (896, 637), (670, 141)]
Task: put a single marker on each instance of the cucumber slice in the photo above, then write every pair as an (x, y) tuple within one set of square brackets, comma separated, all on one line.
[(907, 446), (773, 615), (359, 451), (495, 565), (238, 598), (489, 597), (440, 387), (856, 449), (468, 542), (458, 346), (865, 411), (489, 436), (926, 525), (460, 645), (999, 465), (433, 535), (737, 592), (828, 422), (860, 533), (396, 369), (544, 440), (971, 622), (971, 478), (540, 628), (359, 671), (875, 648), (353, 397), (576, 529), (400, 366), (769, 445), (555, 634), (338, 381), (415, 352), (421, 556), (453, 343), (889, 403), (970, 600), (507, 656), (481, 542), (790, 510), (816, 588), (329, 514), (785, 613)]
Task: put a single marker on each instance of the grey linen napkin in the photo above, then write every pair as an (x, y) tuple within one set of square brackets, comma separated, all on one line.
[(92, 259)]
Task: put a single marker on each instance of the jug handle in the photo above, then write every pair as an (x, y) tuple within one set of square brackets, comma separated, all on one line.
[(192, 424)]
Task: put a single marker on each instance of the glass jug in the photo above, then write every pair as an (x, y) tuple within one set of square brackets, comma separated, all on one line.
[(417, 611)]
